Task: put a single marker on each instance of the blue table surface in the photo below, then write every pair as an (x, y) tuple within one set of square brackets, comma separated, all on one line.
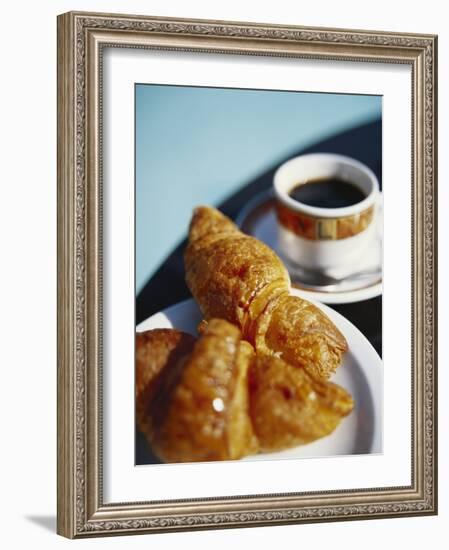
[(199, 145)]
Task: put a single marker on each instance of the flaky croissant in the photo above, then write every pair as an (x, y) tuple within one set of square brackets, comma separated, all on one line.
[(215, 399), (237, 277), (199, 408)]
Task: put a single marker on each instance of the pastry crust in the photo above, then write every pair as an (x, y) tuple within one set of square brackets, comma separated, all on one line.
[(289, 407), (300, 333), (201, 410), (156, 350), (230, 274)]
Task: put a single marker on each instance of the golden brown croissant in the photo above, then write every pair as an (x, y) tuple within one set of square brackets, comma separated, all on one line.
[(214, 399), (288, 407), (236, 277), (199, 410)]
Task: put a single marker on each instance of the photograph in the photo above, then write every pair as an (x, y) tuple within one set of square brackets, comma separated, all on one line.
[(258, 274)]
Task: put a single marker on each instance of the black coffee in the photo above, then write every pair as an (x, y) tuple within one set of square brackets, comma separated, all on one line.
[(327, 193)]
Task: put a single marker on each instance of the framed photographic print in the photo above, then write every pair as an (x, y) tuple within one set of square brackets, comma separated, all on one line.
[(246, 274)]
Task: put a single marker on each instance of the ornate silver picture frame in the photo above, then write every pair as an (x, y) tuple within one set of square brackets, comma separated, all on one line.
[(82, 40)]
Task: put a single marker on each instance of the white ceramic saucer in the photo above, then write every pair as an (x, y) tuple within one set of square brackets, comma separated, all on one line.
[(258, 218)]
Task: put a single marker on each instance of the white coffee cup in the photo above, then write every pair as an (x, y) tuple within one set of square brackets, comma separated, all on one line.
[(318, 238)]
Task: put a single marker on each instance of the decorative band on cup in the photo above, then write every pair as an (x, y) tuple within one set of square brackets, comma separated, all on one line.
[(323, 229)]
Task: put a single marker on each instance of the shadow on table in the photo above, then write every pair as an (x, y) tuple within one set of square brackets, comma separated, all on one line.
[(46, 522)]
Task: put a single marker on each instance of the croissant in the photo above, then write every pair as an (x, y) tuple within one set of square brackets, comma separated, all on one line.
[(238, 278), (199, 408), (289, 407)]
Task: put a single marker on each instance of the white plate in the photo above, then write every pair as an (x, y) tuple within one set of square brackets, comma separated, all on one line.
[(361, 374), (258, 219)]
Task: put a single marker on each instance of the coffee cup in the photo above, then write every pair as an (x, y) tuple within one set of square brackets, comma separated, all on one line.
[(326, 209)]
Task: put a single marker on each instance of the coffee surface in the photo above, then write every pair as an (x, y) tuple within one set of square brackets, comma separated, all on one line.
[(327, 193)]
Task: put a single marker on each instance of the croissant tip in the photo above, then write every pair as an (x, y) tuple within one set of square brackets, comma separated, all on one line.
[(202, 208), (207, 220)]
